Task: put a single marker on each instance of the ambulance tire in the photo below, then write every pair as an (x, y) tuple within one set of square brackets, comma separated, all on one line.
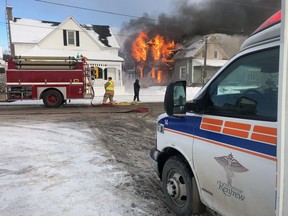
[(177, 186), (53, 98)]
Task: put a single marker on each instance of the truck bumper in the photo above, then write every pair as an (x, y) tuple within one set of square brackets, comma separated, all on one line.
[(154, 156)]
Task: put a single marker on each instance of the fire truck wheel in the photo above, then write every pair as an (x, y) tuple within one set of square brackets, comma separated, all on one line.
[(177, 185), (53, 98)]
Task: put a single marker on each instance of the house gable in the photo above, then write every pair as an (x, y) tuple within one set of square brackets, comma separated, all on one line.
[(215, 43), (68, 38), (214, 50), (29, 32), (59, 39), (191, 50)]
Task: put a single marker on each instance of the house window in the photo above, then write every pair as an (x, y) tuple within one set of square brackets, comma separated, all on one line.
[(71, 37), (215, 54), (183, 73)]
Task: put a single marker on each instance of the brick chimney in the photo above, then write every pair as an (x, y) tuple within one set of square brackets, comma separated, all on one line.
[(9, 12)]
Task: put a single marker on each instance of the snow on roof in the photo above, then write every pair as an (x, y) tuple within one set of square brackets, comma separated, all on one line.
[(209, 62), (191, 50), (93, 55), (228, 45), (33, 31), (29, 30)]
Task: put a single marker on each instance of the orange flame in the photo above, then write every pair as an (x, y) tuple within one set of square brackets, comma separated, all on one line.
[(158, 50), (139, 47), (167, 51), (140, 68), (158, 43), (159, 76), (153, 73), (162, 50)]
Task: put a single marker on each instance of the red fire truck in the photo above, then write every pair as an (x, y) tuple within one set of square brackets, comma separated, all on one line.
[(52, 79)]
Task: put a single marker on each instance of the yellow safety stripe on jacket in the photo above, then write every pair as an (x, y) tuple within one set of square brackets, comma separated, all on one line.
[(110, 87)]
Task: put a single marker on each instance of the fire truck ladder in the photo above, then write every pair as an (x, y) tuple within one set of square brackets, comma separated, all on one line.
[(89, 90), (45, 62)]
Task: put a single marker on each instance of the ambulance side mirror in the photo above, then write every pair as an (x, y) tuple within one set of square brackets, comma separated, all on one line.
[(175, 99)]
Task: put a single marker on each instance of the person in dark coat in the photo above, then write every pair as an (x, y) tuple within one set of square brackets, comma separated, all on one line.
[(136, 90)]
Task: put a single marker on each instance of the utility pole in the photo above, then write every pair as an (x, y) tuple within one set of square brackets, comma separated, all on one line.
[(282, 137), (9, 18), (204, 70)]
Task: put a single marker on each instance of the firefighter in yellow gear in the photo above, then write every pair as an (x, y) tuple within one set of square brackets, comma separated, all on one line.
[(109, 91)]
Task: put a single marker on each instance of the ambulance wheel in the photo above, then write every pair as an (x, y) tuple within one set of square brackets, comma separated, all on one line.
[(53, 98), (177, 185)]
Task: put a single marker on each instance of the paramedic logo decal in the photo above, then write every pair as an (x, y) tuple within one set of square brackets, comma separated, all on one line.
[(166, 122), (230, 166)]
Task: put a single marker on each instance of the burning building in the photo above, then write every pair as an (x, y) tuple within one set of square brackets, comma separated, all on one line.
[(153, 57), (188, 20)]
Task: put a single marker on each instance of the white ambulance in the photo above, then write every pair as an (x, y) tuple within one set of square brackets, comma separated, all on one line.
[(219, 150)]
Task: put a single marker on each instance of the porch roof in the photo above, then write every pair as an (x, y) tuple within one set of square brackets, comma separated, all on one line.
[(209, 62), (91, 55)]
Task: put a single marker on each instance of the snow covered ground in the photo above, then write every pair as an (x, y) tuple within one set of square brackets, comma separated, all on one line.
[(55, 168), (151, 94)]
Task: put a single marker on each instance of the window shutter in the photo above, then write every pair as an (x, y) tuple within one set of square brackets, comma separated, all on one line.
[(77, 39), (65, 37)]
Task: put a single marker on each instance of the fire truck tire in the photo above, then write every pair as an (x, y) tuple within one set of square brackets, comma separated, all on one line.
[(53, 98), (178, 187)]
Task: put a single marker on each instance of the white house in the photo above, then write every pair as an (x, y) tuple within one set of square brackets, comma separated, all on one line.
[(97, 43)]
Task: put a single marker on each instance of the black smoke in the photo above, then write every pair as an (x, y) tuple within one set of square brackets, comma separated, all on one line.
[(187, 20), (206, 17)]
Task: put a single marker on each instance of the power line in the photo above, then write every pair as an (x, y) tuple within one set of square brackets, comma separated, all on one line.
[(115, 34), (99, 11), (52, 28), (236, 3)]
